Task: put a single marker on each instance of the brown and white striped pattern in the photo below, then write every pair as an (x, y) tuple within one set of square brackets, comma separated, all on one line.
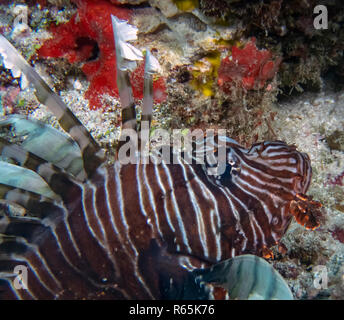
[(93, 243), (122, 229)]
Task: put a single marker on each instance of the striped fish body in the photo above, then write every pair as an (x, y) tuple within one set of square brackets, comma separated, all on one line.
[(98, 242), (133, 231)]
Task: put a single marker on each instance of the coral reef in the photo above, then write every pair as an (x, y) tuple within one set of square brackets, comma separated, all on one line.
[(248, 68), (88, 38), (287, 28), (204, 73), (198, 45)]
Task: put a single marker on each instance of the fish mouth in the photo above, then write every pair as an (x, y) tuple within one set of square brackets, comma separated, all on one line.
[(305, 210)]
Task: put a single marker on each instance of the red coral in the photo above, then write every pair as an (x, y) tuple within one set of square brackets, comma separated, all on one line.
[(88, 32), (248, 68), (335, 181), (338, 234)]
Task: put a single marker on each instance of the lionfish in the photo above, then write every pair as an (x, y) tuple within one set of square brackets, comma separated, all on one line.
[(137, 231)]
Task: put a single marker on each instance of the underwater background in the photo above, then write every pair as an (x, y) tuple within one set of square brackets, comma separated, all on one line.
[(259, 69)]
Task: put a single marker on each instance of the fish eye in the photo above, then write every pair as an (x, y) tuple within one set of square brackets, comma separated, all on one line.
[(275, 221)]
